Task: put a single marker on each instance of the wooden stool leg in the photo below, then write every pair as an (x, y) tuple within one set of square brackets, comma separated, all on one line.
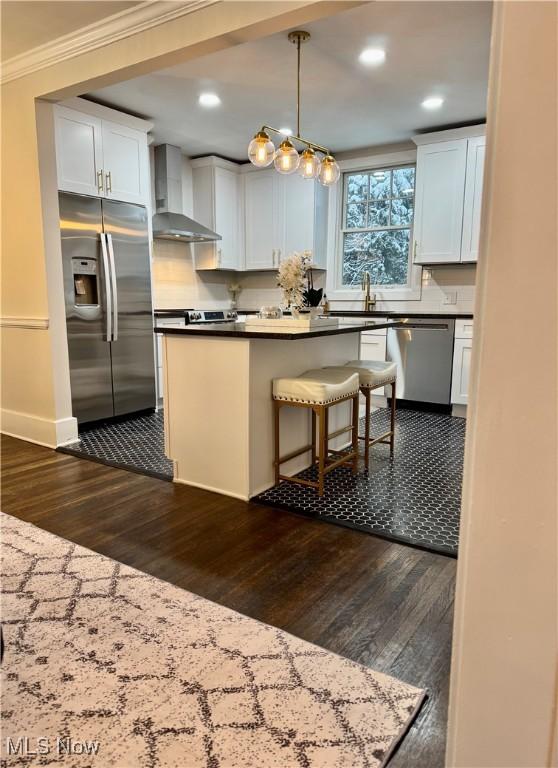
[(313, 437), (355, 433), (366, 392), (276, 410), (322, 411), (393, 406)]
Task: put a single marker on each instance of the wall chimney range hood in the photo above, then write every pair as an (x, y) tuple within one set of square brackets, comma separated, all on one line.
[(169, 223)]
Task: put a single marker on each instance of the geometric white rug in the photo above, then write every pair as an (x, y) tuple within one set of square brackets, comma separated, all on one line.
[(107, 666)]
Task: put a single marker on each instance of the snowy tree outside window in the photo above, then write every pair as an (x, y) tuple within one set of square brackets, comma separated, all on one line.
[(377, 220)]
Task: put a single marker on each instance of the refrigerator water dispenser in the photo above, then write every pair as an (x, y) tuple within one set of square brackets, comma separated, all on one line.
[(84, 273)]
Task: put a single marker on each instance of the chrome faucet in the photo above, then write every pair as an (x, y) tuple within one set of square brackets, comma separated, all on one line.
[(369, 299)]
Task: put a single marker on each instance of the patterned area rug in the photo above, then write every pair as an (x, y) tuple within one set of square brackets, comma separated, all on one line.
[(112, 667), (414, 498)]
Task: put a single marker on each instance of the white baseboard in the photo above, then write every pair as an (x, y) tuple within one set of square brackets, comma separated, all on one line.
[(48, 432), (459, 410), (204, 487)]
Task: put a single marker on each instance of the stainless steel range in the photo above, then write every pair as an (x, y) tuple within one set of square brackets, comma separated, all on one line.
[(211, 316)]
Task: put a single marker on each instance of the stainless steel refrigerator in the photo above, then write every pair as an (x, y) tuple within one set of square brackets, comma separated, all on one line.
[(109, 316)]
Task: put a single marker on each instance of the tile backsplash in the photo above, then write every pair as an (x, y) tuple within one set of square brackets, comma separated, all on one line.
[(457, 282), (176, 284)]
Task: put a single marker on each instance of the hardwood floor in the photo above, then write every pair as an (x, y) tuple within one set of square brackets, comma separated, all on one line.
[(384, 605)]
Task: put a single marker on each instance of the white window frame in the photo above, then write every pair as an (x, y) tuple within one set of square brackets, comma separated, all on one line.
[(335, 290)]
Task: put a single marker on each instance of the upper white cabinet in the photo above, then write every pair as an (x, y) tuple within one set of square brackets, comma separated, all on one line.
[(448, 198), (101, 157), (473, 198), (282, 214), (263, 219), (124, 166), (216, 186), (79, 152)]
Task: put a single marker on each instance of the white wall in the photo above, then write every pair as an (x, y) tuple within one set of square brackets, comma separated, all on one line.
[(503, 683)]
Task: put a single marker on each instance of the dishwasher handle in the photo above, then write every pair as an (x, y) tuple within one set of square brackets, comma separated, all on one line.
[(420, 327)]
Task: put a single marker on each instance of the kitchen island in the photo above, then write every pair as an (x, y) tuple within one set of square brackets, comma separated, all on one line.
[(218, 407)]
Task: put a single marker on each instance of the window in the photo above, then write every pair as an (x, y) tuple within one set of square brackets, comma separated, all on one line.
[(376, 227)]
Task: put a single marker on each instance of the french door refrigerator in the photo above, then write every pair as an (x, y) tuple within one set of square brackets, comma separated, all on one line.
[(109, 316)]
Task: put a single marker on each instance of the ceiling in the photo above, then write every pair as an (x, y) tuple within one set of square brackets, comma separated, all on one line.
[(439, 48), (27, 24)]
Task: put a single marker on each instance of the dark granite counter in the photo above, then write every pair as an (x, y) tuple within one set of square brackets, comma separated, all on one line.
[(361, 313), (240, 331)]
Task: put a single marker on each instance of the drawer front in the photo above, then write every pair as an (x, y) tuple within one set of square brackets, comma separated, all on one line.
[(374, 348), (464, 329)]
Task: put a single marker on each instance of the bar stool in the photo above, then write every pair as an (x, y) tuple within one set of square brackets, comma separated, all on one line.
[(373, 374), (318, 390)]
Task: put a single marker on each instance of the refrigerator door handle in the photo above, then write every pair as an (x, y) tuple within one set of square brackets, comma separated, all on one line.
[(114, 287), (106, 278)]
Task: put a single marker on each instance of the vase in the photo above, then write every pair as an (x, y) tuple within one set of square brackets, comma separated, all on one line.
[(295, 312)]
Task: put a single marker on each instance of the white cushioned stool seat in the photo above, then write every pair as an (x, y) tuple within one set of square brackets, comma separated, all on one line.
[(319, 386), (371, 373)]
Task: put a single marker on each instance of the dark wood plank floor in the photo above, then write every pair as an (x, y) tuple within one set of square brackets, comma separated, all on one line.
[(384, 605)]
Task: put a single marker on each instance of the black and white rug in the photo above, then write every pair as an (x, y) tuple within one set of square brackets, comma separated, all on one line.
[(414, 498), (136, 444)]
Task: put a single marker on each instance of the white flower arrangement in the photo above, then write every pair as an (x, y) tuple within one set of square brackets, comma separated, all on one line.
[(291, 277)]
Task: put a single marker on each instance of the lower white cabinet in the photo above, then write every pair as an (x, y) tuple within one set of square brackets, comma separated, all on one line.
[(463, 345)]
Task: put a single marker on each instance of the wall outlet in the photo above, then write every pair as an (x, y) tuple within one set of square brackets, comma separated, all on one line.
[(450, 297)]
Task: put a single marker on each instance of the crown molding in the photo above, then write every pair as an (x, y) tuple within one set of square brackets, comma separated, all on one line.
[(118, 26)]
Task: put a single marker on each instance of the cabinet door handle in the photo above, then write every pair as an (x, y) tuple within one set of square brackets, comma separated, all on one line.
[(100, 180), (108, 179), (415, 249), (278, 256), (218, 257), (273, 257)]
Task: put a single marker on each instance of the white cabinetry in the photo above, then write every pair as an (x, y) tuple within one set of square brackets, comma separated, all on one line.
[(448, 198), (216, 186), (473, 199), (462, 349), (373, 344), (263, 219), (124, 163), (283, 214), (101, 157), (79, 152)]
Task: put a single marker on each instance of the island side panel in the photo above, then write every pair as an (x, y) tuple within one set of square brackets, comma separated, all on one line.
[(270, 359), (207, 412)]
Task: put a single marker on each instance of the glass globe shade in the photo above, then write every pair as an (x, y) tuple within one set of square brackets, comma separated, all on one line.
[(286, 158), (309, 164), (261, 150), (329, 171)]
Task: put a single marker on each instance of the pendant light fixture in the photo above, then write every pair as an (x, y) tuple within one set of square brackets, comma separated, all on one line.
[(286, 158)]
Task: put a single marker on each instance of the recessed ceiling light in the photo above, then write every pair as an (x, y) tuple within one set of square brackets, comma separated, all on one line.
[(209, 100), (286, 131), (433, 102), (372, 56)]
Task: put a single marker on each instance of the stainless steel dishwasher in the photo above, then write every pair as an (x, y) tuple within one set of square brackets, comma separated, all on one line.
[(423, 351)]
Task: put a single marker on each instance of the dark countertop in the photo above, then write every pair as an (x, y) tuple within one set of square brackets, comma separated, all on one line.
[(171, 312), (380, 313), (239, 331)]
